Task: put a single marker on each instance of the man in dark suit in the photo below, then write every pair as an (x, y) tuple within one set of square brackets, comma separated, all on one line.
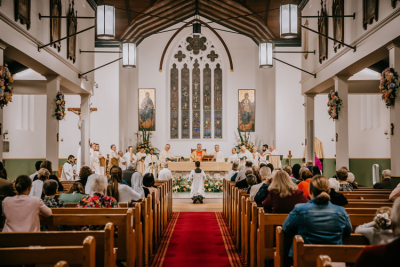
[(6, 190), (386, 182)]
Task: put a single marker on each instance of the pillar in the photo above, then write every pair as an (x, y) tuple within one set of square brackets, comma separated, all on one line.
[(52, 124), (394, 62), (309, 127), (342, 124), (2, 49), (85, 129)]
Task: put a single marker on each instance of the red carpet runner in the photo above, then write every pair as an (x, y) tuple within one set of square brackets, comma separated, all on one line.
[(197, 239)]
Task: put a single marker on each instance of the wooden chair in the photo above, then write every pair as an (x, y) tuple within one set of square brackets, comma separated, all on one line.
[(84, 255), (106, 254)]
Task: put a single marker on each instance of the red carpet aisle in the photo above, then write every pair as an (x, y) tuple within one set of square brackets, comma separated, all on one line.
[(197, 239)]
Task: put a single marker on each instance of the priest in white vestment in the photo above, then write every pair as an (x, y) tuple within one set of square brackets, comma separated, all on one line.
[(165, 155), (141, 156), (273, 151), (67, 173), (122, 162), (113, 152), (218, 156), (150, 163), (234, 156), (130, 156), (244, 155), (165, 174), (255, 156), (94, 160), (197, 177)]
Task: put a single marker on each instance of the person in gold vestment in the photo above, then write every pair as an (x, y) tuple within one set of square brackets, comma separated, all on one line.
[(141, 155), (198, 154)]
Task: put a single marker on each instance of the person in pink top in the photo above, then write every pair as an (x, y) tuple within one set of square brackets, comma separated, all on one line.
[(22, 211)]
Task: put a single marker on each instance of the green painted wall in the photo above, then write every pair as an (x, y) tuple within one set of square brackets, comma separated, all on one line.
[(16, 167)]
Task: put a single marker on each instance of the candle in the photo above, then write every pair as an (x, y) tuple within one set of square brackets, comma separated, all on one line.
[(290, 152)]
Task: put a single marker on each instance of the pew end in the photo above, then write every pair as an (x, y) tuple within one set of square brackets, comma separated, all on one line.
[(324, 261)]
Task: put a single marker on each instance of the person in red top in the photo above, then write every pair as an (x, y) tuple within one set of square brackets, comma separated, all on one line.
[(283, 194), (384, 255), (305, 184)]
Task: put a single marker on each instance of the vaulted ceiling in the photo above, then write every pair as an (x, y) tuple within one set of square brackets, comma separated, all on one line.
[(138, 19)]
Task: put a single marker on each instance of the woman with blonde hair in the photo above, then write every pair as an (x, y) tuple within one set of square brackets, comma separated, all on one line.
[(379, 231), (47, 165), (318, 221), (283, 194)]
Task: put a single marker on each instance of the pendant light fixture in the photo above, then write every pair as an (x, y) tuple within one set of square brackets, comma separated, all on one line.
[(105, 22), (129, 55), (266, 54), (288, 20)]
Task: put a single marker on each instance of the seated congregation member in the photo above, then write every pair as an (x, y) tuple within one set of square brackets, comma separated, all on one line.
[(197, 177), (341, 175), (148, 186), (165, 174), (50, 191), (259, 192), (6, 190), (386, 254), (350, 177), (242, 173), (37, 185), (336, 198), (379, 231), (309, 165), (127, 174), (37, 167), (302, 170), (22, 211), (3, 172), (84, 174), (232, 174), (395, 193), (316, 171), (74, 195), (288, 169), (283, 194), (251, 180), (296, 171), (98, 199), (137, 184), (305, 184), (116, 189), (243, 183), (318, 221), (386, 182), (47, 165)]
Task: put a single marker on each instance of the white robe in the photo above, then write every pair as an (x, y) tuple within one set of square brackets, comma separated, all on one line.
[(78, 160), (255, 157), (164, 155), (197, 180), (101, 167), (274, 153), (94, 162), (127, 157), (233, 158), (140, 162), (246, 154), (165, 174), (219, 157), (121, 163), (37, 189), (113, 154), (263, 157), (150, 164), (67, 173)]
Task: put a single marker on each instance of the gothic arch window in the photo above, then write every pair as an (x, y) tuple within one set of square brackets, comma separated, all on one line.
[(196, 90)]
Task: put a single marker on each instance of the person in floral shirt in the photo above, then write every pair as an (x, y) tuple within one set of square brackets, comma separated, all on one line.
[(50, 191), (98, 199)]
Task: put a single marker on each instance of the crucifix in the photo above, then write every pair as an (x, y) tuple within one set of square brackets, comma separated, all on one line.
[(77, 111)]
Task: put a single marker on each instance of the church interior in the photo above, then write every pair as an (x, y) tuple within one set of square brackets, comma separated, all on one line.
[(199, 132)]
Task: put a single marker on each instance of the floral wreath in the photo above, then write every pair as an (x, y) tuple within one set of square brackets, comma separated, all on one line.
[(6, 88), (388, 86), (59, 111), (334, 104)]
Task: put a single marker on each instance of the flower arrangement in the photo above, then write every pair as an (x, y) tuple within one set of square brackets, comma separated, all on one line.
[(388, 86), (6, 88), (59, 111), (244, 140), (145, 143), (334, 103), (183, 185)]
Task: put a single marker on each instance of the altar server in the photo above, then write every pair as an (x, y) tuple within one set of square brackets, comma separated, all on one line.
[(151, 163), (141, 156), (100, 156), (129, 156), (113, 152), (94, 160), (218, 156), (122, 162), (67, 173), (197, 177), (244, 155), (234, 156)]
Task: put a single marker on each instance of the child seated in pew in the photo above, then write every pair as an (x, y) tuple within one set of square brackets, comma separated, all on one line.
[(318, 221), (50, 191), (378, 231), (22, 211)]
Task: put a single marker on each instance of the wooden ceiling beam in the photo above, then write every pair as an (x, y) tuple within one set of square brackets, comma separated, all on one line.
[(267, 6)]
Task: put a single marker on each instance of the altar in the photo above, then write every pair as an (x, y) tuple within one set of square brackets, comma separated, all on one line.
[(212, 169)]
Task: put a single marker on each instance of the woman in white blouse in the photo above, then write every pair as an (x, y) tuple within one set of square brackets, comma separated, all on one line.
[(118, 190)]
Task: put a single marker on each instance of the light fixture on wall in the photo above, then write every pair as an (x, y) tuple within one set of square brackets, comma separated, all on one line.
[(288, 20), (105, 22), (196, 28), (265, 54), (129, 55)]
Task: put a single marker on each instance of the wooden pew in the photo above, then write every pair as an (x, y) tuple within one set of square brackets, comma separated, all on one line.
[(367, 196), (370, 205), (105, 251), (374, 191), (125, 242), (61, 264), (84, 255), (324, 261)]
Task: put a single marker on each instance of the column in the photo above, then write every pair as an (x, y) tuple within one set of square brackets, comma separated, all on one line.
[(85, 130), (52, 124), (309, 127), (342, 124), (2, 49), (394, 62)]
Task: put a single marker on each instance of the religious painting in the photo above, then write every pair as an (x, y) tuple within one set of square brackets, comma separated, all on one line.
[(338, 23), (185, 108), (323, 41), (72, 25), (370, 12), (196, 127), (207, 102), (147, 109), (247, 107), (55, 23), (22, 12), (218, 102), (174, 103)]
